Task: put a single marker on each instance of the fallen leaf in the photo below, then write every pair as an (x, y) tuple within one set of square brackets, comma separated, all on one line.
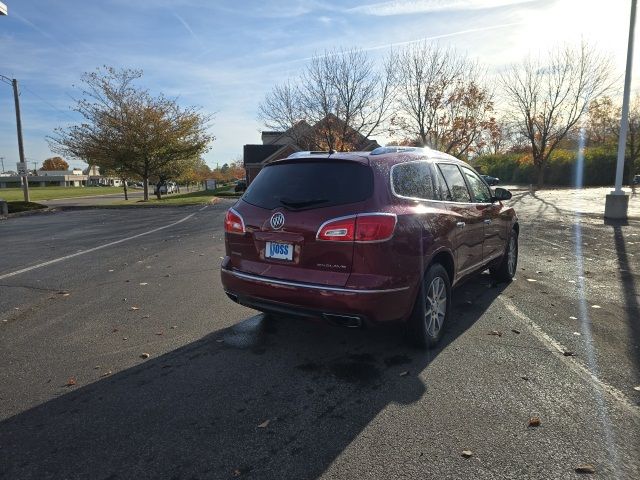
[(146, 316), (134, 308), (144, 356), (97, 367), (467, 453), (106, 374), (174, 327), (585, 468), (111, 270), (167, 275), (569, 353), (637, 389), (497, 333), (404, 374), (220, 340), (577, 334), (573, 318), (143, 283), (125, 338), (236, 473), (114, 330), (538, 271), (596, 306), (525, 378), (159, 333), (517, 332), (534, 422), (264, 424), (71, 382)]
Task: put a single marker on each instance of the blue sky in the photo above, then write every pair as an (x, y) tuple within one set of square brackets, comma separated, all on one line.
[(225, 55)]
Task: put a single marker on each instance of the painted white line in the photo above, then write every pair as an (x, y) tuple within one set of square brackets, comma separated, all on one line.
[(99, 247), (203, 208), (577, 367)]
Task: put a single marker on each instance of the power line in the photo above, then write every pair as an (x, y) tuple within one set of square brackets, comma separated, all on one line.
[(24, 87)]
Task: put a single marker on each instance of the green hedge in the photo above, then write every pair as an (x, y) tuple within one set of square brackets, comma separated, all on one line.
[(599, 167)]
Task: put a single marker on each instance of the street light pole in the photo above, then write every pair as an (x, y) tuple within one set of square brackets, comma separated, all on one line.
[(617, 202)]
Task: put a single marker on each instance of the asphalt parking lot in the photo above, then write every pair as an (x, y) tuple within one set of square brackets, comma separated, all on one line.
[(224, 393)]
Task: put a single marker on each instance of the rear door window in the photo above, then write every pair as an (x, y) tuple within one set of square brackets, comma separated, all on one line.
[(455, 183), (412, 180), (310, 184)]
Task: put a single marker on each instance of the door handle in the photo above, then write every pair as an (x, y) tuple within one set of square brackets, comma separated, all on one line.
[(460, 224), (487, 221)]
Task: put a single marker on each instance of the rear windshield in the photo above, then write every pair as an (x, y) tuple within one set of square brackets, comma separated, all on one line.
[(309, 184)]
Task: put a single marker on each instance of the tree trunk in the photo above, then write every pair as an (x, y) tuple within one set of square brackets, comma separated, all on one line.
[(145, 185), (124, 184), (540, 168)]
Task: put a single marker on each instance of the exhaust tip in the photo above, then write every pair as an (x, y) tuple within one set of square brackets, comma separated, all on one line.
[(348, 321)]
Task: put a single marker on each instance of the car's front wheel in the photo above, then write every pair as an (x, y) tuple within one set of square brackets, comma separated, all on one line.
[(432, 308), (506, 269)]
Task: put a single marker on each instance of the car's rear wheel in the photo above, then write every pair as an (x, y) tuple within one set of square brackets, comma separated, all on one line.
[(506, 269), (432, 308)]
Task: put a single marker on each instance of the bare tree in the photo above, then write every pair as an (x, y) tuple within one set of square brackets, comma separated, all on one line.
[(441, 100), (548, 97), (339, 98), (604, 129), (128, 131)]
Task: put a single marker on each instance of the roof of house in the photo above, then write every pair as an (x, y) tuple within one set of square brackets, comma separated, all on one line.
[(257, 153)]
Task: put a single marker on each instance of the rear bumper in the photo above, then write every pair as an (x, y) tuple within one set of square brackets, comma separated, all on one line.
[(319, 301)]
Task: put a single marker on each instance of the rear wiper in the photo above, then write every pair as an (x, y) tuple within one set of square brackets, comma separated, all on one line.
[(302, 203)]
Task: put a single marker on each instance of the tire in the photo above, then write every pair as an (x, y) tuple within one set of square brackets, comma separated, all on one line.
[(506, 269), (426, 325)]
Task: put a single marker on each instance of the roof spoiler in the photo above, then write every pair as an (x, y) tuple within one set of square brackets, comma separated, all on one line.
[(311, 152)]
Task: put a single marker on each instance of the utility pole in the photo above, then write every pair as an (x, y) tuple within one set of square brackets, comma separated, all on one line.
[(617, 202), (2, 161), (16, 95)]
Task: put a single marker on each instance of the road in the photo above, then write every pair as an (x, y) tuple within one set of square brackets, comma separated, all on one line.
[(227, 394)]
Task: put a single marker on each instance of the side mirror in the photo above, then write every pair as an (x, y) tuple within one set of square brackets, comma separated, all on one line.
[(502, 194)]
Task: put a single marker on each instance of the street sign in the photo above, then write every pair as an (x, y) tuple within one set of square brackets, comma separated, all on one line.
[(22, 168)]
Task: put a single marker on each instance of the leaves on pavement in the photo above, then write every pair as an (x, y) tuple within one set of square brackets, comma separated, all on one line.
[(585, 468), (264, 424), (467, 453), (534, 422)]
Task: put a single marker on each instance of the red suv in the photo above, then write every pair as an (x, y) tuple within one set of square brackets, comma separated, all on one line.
[(368, 237)]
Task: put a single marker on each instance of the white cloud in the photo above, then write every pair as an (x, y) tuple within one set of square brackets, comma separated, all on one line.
[(410, 7)]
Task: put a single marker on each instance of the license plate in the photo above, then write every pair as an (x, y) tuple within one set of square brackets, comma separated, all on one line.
[(281, 251)]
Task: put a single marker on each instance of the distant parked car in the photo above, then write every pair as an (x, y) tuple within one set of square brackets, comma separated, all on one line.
[(490, 180), (166, 187), (636, 180), (241, 186)]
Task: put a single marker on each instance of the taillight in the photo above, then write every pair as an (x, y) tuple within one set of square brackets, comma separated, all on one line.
[(375, 228), (233, 222), (339, 230), (366, 227)]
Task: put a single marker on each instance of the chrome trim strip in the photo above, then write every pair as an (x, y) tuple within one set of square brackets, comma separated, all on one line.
[(256, 278)]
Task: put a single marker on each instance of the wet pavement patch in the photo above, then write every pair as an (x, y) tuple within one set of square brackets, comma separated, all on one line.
[(397, 360), (355, 372), (362, 357), (247, 334), (309, 367)]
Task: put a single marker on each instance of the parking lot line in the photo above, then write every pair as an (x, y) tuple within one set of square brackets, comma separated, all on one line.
[(99, 247), (577, 367)]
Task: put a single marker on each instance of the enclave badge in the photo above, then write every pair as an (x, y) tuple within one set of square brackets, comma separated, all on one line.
[(277, 221)]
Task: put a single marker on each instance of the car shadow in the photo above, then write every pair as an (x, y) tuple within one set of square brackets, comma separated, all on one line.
[(267, 398)]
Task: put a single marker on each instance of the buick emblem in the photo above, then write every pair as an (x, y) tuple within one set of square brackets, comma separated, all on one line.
[(277, 221)]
